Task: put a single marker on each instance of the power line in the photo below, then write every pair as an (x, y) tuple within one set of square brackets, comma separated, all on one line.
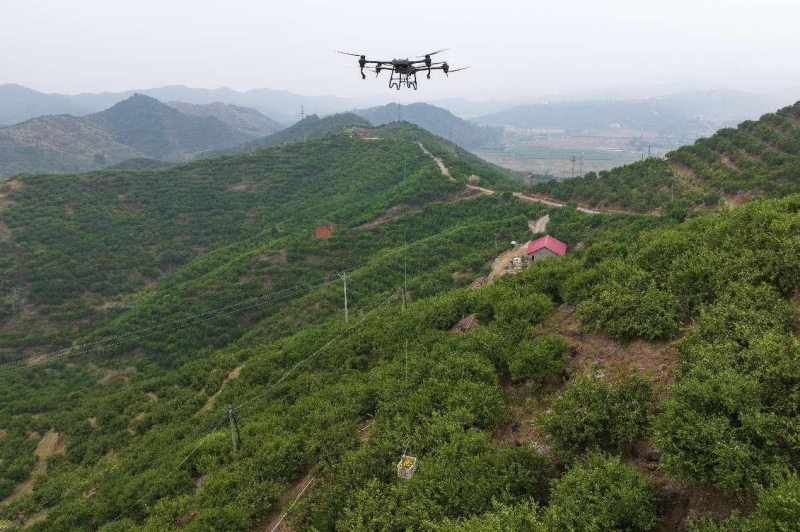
[(202, 317), (227, 417)]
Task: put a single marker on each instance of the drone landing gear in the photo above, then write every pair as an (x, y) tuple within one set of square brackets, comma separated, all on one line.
[(409, 80)]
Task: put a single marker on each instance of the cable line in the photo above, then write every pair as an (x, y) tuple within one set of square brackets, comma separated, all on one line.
[(225, 418)]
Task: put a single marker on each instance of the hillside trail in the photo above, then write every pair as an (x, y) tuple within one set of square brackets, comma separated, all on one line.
[(446, 172), (286, 503), (51, 443)]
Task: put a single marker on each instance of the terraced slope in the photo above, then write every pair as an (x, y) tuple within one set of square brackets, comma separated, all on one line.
[(758, 158)]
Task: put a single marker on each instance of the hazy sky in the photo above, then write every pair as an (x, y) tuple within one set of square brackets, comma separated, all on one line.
[(514, 48)]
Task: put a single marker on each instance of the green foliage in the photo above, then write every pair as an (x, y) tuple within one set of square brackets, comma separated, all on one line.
[(540, 361), (600, 494), (778, 510), (758, 157), (502, 518), (311, 127), (595, 415), (731, 417), (627, 303)]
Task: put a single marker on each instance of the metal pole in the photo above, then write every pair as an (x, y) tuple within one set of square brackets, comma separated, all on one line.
[(343, 275), (234, 428)]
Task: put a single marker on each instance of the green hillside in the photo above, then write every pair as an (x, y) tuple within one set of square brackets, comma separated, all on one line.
[(139, 127), (162, 132), (243, 119), (650, 373), (436, 120), (59, 143), (311, 127), (758, 158)]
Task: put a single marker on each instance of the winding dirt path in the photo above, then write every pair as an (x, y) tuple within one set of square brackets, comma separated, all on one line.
[(446, 172)]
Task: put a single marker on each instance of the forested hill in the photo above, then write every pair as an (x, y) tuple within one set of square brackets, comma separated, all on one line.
[(162, 132), (311, 127), (243, 119), (135, 128), (757, 158), (436, 120), (138, 305)]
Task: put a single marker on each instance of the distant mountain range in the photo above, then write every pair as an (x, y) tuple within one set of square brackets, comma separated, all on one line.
[(243, 119), (685, 111), (18, 103), (139, 127), (436, 120)]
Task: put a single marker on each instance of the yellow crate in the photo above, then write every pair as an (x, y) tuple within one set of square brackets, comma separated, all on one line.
[(406, 467)]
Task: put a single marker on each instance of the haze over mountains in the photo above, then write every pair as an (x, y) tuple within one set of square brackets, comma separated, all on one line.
[(438, 121), (178, 123), (139, 127)]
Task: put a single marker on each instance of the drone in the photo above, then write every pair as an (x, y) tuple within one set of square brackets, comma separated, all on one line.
[(403, 72)]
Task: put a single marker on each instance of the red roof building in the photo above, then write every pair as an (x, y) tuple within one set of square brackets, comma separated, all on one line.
[(547, 246)]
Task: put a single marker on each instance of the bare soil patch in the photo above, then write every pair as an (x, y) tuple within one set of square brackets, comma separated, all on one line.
[(392, 213), (465, 325), (540, 225), (275, 258), (324, 232), (111, 374), (365, 430), (615, 360), (678, 498), (276, 521), (726, 161), (232, 375), (51, 443)]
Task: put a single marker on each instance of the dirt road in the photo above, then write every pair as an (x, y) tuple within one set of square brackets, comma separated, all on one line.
[(520, 195), (540, 225)]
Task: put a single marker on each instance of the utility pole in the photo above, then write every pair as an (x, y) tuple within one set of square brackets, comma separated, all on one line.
[(531, 178), (235, 438), (343, 276), (573, 159), (648, 151), (581, 172)]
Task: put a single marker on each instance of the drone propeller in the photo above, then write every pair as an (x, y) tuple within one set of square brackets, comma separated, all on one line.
[(432, 53), (457, 69), (348, 53)]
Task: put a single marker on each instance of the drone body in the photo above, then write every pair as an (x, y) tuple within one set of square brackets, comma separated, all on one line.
[(403, 72)]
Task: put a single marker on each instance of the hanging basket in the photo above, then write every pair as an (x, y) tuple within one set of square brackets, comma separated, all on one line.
[(406, 467)]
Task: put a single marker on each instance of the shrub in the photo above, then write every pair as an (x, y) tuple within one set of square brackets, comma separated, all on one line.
[(593, 414), (599, 493), (539, 361), (626, 303), (502, 518)]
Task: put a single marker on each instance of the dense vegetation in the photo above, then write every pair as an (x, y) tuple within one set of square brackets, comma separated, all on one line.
[(236, 302), (311, 127), (756, 158)]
